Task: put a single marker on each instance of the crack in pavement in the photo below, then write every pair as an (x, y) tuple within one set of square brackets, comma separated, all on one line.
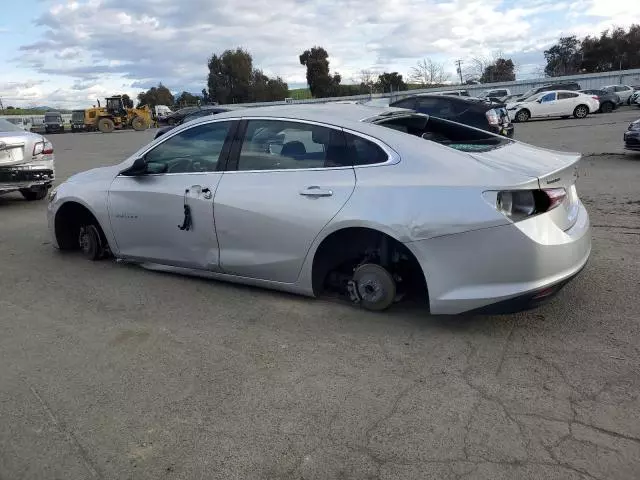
[(73, 441)]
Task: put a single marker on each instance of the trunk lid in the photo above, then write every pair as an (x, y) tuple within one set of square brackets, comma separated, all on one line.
[(12, 146), (553, 169)]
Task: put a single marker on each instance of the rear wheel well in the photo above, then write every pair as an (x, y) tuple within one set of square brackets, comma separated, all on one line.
[(69, 218), (342, 251)]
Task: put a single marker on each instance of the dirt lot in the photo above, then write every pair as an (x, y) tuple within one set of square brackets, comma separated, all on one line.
[(110, 371)]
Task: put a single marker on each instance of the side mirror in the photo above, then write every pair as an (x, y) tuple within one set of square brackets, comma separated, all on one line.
[(139, 167), (539, 100)]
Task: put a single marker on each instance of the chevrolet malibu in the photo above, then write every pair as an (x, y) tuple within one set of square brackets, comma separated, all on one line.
[(375, 204)]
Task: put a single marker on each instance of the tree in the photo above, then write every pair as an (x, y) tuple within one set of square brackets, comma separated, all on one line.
[(502, 70), (232, 79), (186, 98), (563, 58), (126, 101), (159, 95), (230, 76), (10, 108), (615, 50), (321, 82), (427, 72), (391, 82)]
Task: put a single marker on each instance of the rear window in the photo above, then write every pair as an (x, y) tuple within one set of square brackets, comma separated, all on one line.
[(438, 130), (364, 151), (6, 126)]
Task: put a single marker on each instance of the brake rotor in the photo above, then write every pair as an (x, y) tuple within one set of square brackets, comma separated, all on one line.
[(375, 285)]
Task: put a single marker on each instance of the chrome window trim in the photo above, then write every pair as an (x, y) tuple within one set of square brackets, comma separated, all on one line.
[(392, 155), (172, 134)]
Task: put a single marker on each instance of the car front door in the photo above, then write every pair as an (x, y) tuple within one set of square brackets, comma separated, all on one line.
[(286, 181), (547, 105), (164, 214)]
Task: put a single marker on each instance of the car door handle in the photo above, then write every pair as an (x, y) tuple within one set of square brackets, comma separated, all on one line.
[(316, 191)]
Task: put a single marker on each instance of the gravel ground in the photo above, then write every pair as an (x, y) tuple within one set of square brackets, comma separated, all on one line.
[(110, 371)]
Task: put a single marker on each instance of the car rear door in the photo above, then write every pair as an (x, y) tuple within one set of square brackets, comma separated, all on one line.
[(148, 212), (286, 180)]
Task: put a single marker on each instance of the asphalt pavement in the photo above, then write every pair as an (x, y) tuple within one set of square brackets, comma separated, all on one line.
[(110, 371)]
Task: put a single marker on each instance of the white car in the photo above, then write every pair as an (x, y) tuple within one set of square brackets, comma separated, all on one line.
[(623, 91), (557, 103)]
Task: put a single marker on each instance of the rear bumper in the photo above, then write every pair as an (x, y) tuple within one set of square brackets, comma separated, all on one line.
[(511, 263), (26, 176)]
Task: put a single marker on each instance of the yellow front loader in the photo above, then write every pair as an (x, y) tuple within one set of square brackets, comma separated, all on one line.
[(114, 115)]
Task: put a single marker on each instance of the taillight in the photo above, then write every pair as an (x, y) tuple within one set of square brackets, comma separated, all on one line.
[(595, 97), (492, 117), (43, 148), (521, 204)]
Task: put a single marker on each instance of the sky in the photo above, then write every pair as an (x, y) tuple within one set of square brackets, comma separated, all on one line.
[(65, 53)]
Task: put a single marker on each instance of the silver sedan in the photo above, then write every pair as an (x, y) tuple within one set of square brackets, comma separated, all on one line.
[(375, 204), (26, 162)]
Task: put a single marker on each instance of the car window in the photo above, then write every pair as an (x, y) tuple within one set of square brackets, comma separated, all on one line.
[(363, 151), (406, 103), (196, 149), (549, 97), (285, 145), (566, 95), (438, 107), (621, 88)]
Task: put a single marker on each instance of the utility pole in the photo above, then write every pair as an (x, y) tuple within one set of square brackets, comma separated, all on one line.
[(459, 64), (1, 107)]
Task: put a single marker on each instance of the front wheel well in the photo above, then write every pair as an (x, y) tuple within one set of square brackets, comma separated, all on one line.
[(68, 220), (345, 249)]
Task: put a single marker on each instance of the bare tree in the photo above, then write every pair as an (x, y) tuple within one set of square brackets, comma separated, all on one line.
[(365, 77), (428, 72)]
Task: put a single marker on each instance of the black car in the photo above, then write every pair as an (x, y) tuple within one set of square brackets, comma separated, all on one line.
[(197, 113), (608, 100), (176, 117), (632, 136), (547, 87), (53, 122), (474, 112)]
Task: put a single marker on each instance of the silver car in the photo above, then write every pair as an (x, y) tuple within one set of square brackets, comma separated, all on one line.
[(27, 162), (376, 204)]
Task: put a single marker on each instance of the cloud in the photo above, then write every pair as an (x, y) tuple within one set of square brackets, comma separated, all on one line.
[(147, 41)]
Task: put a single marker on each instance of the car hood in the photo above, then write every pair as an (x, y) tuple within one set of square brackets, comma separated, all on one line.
[(551, 167), (96, 174)]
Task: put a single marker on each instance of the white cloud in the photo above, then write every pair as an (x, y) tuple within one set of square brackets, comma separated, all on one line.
[(105, 44)]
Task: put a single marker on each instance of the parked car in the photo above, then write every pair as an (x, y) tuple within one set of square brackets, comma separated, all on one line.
[(455, 93), (635, 98), (497, 94), (26, 162), (201, 112), (632, 136), (561, 103), (478, 113), (175, 117), (77, 121), (53, 123), (547, 87), (623, 91), (376, 204), (21, 122), (608, 101)]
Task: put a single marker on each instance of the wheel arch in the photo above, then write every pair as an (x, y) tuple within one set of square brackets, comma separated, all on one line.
[(353, 236), (68, 218)]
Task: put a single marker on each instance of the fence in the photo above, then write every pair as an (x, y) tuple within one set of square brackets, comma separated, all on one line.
[(586, 81)]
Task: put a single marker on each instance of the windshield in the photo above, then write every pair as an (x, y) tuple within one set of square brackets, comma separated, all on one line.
[(52, 118), (6, 126)]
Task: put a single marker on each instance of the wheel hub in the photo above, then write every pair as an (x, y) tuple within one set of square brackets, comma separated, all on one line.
[(370, 289)]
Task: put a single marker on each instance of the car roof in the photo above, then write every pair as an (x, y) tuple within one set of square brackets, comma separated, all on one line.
[(323, 113)]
